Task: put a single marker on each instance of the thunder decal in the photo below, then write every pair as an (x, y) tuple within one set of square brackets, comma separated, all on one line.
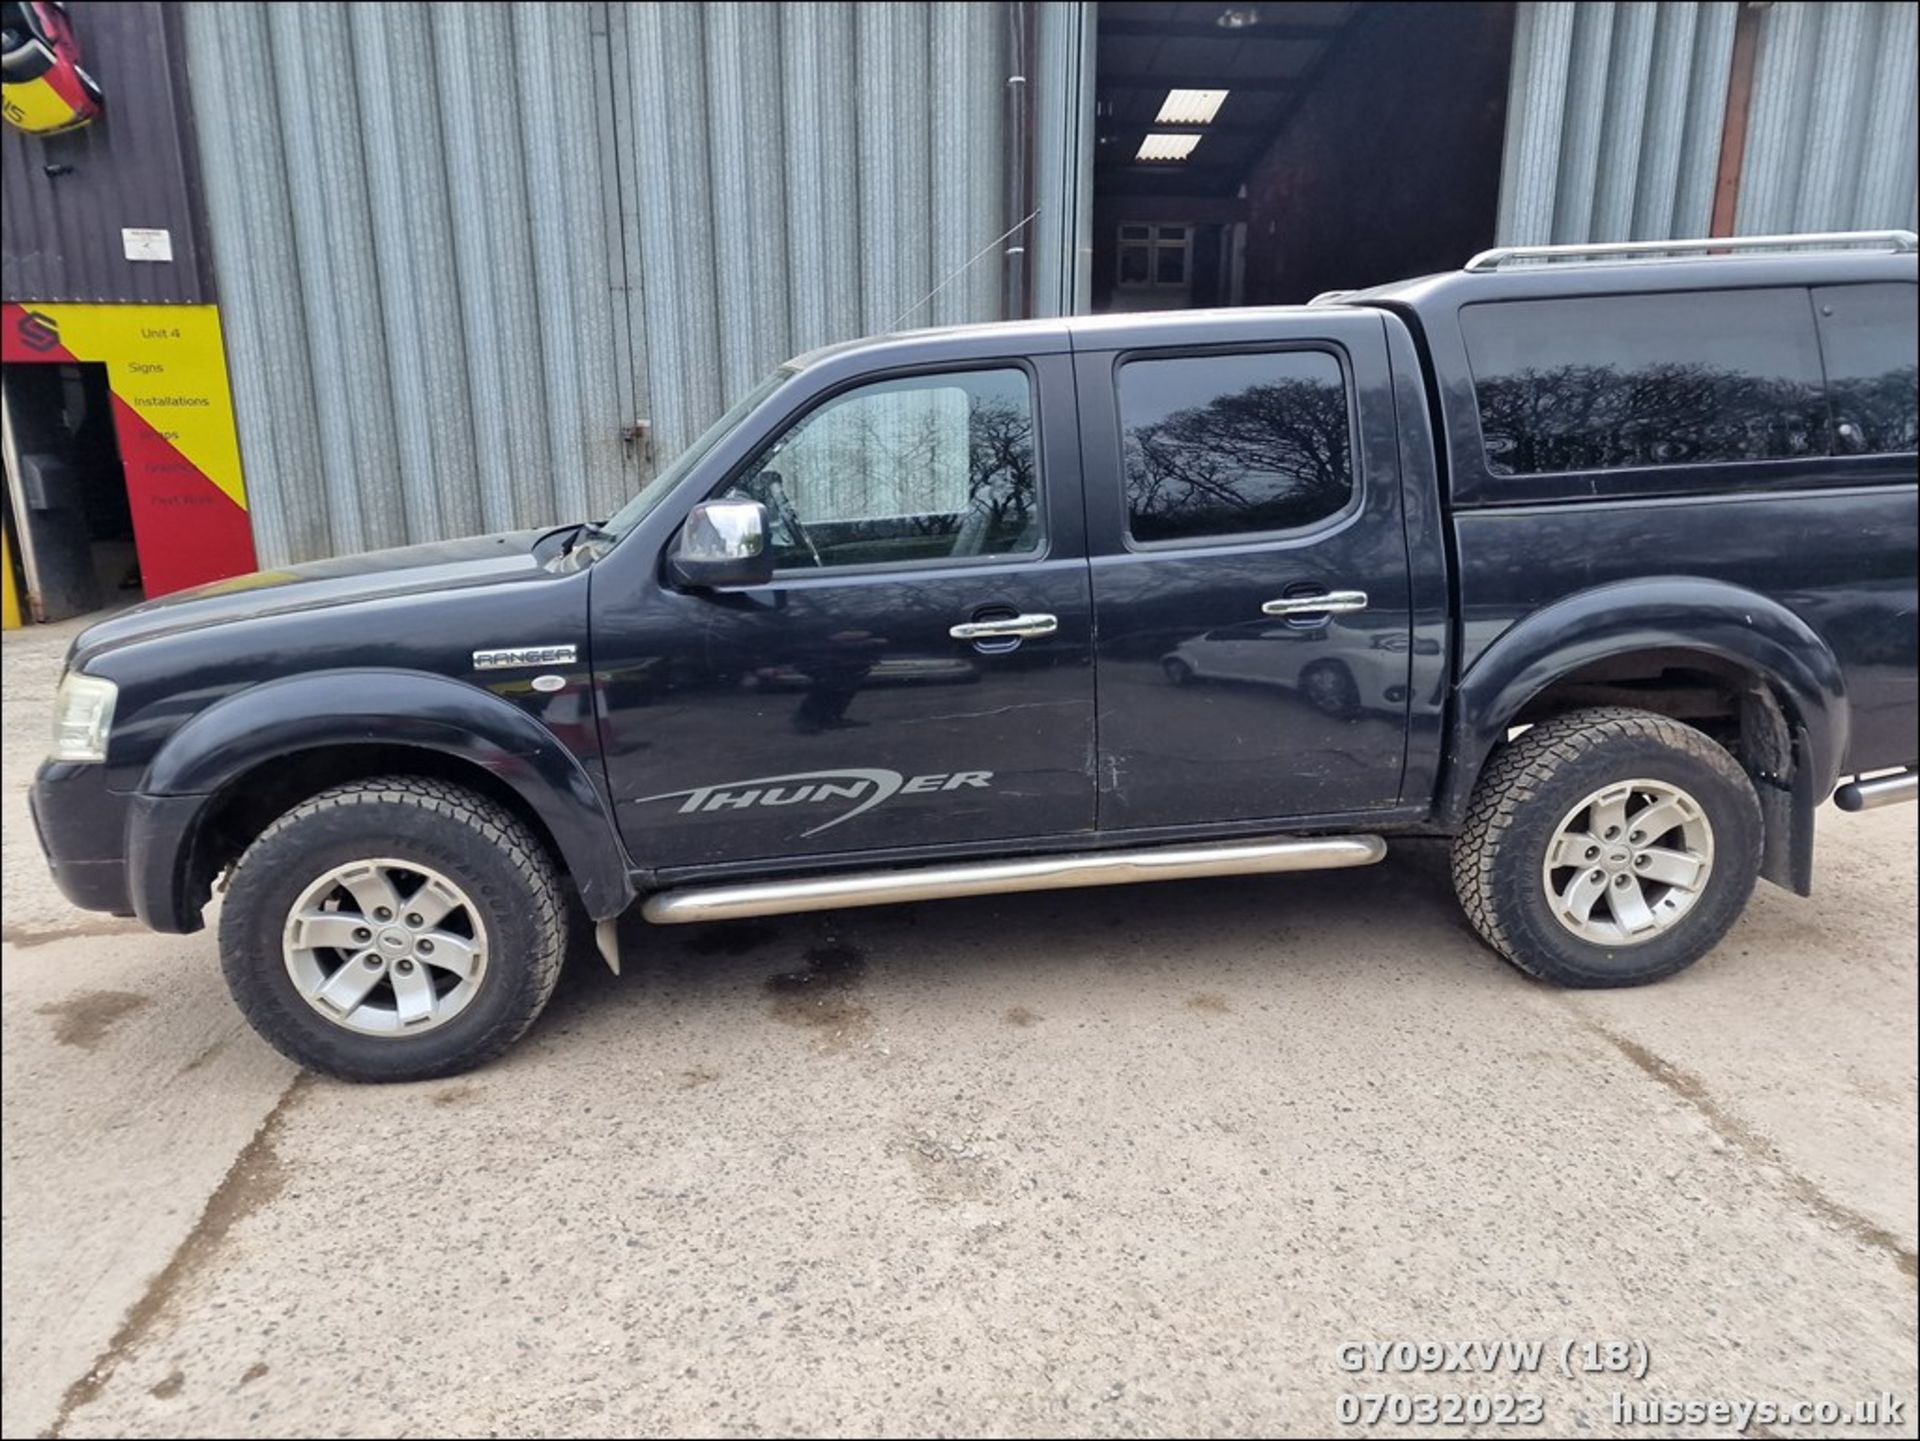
[(867, 788)]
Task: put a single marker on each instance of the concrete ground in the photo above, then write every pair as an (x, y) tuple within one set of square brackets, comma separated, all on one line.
[(1092, 1163)]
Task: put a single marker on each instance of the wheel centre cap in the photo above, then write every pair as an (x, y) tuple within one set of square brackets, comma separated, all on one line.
[(394, 941), (1619, 858)]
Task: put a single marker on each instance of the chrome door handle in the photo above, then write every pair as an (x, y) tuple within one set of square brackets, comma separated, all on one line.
[(1012, 628), (1332, 602)]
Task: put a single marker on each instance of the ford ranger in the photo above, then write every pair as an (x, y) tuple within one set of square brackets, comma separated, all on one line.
[(1599, 561)]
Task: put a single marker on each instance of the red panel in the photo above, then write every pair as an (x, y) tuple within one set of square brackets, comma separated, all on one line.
[(186, 529)]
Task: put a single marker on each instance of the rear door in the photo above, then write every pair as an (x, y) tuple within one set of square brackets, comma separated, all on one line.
[(1250, 580)]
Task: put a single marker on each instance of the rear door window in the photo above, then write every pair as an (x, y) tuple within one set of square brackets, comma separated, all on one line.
[(1234, 444), (1631, 381), (1867, 335)]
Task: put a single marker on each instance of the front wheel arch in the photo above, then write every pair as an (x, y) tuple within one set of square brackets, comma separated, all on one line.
[(292, 738), (240, 811)]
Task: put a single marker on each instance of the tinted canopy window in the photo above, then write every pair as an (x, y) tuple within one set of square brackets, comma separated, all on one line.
[(1612, 382), (1232, 444), (1867, 333)]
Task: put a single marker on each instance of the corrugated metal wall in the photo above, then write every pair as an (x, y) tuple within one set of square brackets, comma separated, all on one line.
[(67, 197), (1615, 115), (412, 269), (1831, 135), (1061, 245), (798, 174), (459, 248), (1613, 121)]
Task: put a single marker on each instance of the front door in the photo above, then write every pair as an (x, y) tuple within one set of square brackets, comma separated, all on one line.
[(1250, 575), (919, 671)]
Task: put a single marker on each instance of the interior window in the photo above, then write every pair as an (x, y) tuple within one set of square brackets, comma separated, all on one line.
[(936, 467), (1867, 336), (1233, 444), (1612, 382), (1152, 256)]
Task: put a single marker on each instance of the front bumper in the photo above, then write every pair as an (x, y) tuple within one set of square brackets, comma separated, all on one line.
[(82, 827), (112, 851)]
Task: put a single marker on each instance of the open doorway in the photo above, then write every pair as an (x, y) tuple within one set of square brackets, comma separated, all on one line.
[(1262, 153), (67, 491)]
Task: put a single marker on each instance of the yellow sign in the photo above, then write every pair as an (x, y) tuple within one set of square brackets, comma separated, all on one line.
[(173, 420), (9, 602)]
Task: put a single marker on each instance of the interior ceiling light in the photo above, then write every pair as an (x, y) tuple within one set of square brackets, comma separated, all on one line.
[(1167, 147), (1190, 107), (1238, 17)]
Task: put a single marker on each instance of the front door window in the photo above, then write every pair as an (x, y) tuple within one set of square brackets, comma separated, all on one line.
[(905, 472)]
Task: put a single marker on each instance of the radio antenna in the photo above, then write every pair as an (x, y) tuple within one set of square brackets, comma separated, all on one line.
[(964, 268)]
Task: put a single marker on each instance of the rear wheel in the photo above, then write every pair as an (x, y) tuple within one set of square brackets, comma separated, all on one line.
[(1608, 847), (393, 930)]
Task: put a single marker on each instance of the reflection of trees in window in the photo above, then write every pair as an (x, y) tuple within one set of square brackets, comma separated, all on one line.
[(1268, 457), (1000, 470), (1881, 407), (1601, 417)]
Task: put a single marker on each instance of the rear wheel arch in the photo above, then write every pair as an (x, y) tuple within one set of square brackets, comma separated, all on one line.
[(1648, 644)]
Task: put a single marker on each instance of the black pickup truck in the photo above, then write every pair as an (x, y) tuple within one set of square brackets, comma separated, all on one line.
[(1601, 564)]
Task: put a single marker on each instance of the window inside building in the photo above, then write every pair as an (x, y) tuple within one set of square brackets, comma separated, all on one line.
[(1234, 444), (931, 468), (1614, 382), (1155, 256)]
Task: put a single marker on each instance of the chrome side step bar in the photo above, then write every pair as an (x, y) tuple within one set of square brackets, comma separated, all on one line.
[(1880, 791), (982, 878)]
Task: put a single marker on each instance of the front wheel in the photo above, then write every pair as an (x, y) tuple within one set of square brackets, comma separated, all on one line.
[(1608, 847), (396, 929)]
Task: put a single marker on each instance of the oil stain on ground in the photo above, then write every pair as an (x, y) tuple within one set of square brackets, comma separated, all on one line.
[(85, 1019), (1021, 1016), (731, 939), (1209, 1001), (819, 996)]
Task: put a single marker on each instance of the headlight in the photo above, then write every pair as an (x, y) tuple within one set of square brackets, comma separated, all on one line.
[(82, 716)]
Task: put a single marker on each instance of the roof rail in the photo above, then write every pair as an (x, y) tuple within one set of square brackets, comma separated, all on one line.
[(1895, 240)]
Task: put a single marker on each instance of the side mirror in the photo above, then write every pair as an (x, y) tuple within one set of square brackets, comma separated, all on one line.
[(723, 543)]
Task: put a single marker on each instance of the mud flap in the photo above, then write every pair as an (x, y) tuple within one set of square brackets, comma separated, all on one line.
[(606, 935), (1786, 856)]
